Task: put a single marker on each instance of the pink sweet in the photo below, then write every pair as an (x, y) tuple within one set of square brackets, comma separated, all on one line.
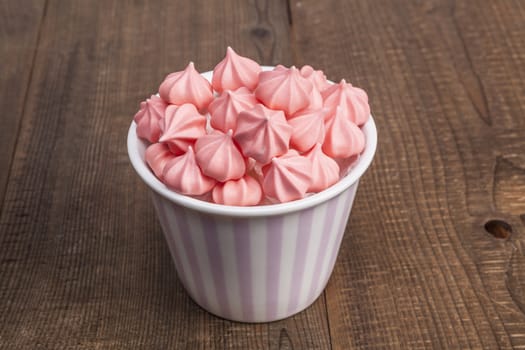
[(218, 156), (316, 77), (345, 164), (147, 118), (181, 127), (187, 86), (273, 136), (280, 67), (343, 138), (262, 133), (225, 109), (183, 175), (235, 71), (308, 129), (316, 101), (157, 155), (352, 99), (325, 171), (242, 192), (284, 89), (287, 177)]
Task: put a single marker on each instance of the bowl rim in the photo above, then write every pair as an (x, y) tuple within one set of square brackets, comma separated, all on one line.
[(355, 173)]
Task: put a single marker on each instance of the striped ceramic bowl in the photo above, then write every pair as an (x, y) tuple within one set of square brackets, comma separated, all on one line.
[(254, 264)]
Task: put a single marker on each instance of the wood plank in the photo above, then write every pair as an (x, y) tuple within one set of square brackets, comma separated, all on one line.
[(417, 267), (19, 28), (83, 263)]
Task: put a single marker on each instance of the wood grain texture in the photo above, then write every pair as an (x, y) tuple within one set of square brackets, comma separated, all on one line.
[(83, 263), (19, 29), (417, 268)]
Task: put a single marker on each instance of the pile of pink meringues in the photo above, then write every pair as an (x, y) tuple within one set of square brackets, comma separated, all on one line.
[(252, 137)]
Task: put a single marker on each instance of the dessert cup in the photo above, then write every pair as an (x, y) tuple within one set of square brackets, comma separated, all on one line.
[(260, 263)]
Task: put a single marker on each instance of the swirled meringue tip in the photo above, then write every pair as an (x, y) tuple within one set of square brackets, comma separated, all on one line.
[(287, 177), (316, 77), (343, 138), (262, 133), (181, 127), (307, 129), (187, 86), (147, 118), (325, 170), (280, 67), (284, 90), (183, 175), (219, 157), (157, 155), (242, 136), (245, 191), (235, 71), (354, 100), (225, 109)]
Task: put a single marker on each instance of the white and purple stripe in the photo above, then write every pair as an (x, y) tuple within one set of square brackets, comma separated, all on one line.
[(255, 269)]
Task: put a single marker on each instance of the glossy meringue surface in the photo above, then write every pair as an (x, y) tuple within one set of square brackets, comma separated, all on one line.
[(353, 100), (316, 77), (224, 110), (307, 130), (316, 101), (238, 134), (325, 170), (219, 157), (147, 118), (235, 71), (343, 138), (287, 177), (157, 155), (245, 191), (262, 133), (284, 89), (187, 86), (181, 127), (183, 175), (137, 147)]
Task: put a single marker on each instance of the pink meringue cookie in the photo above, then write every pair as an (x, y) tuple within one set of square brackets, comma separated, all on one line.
[(262, 133), (343, 138), (316, 77), (157, 156), (225, 109), (183, 175), (287, 177), (254, 169), (352, 99), (280, 67), (181, 127), (218, 156), (316, 101), (245, 191), (325, 170), (284, 89), (345, 164), (147, 118), (308, 129), (187, 86), (235, 71)]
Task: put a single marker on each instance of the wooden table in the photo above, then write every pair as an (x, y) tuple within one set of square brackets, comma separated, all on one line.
[(424, 264)]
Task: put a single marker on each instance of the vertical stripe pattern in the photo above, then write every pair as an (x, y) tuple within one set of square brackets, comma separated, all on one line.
[(255, 269)]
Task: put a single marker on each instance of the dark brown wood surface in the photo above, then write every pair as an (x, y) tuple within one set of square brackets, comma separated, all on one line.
[(434, 254)]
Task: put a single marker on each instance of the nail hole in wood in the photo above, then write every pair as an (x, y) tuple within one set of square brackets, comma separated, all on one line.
[(498, 228)]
